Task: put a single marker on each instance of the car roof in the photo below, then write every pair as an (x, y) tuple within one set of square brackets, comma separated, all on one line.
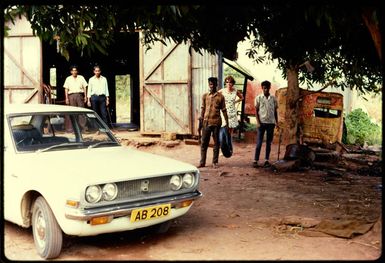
[(29, 107)]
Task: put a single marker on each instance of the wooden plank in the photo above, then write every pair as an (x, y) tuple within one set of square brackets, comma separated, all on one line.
[(25, 72), (166, 82), (159, 62), (176, 97), (189, 95), (30, 96), (150, 134), (141, 82), (18, 87), (181, 124), (154, 113)]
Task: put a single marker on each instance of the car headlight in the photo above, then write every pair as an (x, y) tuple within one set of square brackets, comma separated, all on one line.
[(93, 193), (188, 180), (110, 191), (176, 182)]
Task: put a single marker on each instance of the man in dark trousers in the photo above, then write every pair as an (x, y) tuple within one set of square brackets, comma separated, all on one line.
[(266, 113), (98, 95), (212, 103)]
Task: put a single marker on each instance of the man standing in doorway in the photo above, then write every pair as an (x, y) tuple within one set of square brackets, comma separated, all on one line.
[(212, 103), (75, 88), (267, 117), (98, 95)]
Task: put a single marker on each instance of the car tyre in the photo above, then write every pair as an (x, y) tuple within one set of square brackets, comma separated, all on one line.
[(47, 234)]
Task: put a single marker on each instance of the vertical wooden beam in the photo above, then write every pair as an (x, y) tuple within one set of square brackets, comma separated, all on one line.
[(141, 82), (189, 93), (243, 107), (41, 93), (21, 60), (163, 89)]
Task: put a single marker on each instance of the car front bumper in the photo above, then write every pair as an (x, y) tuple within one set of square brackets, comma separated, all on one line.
[(77, 221)]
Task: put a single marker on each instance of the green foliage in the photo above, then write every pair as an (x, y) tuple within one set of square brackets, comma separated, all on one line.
[(250, 126), (122, 83), (332, 37), (81, 28), (238, 77), (360, 129), (229, 71)]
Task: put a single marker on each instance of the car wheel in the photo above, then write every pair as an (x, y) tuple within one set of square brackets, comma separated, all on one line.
[(47, 234)]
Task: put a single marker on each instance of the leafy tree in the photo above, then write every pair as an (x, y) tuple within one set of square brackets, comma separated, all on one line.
[(360, 129), (339, 40), (333, 37)]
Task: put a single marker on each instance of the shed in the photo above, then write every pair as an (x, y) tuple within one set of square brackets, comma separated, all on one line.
[(163, 85), (172, 83)]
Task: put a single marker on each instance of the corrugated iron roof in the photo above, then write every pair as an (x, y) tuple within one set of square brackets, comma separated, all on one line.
[(235, 65)]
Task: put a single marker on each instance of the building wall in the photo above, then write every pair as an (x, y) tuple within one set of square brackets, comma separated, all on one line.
[(202, 67), (22, 64), (172, 82)]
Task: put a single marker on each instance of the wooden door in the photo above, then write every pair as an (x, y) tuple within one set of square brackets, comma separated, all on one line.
[(22, 64), (165, 88)]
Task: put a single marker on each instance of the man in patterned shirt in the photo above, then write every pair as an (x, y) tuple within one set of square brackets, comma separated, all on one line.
[(213, 103), (266, 113)]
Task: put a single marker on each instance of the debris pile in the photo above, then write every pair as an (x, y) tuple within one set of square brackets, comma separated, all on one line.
[(335, 159)]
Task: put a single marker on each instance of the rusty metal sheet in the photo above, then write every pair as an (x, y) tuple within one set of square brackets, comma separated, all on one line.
[(320, 115), (253, 90)]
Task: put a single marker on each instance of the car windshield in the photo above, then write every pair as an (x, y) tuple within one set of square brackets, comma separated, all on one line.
[(58, 131)]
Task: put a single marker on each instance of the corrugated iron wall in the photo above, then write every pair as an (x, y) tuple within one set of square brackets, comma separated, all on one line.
[(202, 67)]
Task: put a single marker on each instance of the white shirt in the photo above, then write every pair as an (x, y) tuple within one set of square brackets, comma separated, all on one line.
[(75, 85), (267, 107), (97, 86)]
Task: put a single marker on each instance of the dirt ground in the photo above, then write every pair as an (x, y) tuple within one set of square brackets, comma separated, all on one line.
[(245, 213)]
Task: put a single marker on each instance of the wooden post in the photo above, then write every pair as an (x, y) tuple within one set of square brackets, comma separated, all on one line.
[(243, 108)]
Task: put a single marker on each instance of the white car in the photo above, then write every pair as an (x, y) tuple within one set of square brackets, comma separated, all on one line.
[(65, 172)]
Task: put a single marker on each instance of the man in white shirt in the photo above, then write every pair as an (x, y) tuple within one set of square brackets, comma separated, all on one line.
[(75, 88), (267, 117), (98, 95)]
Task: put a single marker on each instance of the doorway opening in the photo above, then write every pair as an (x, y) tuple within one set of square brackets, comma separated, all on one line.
[(120, 66), (123, 98)]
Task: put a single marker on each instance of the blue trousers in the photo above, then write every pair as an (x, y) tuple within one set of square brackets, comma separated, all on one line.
[(98, 104), (269, 129)]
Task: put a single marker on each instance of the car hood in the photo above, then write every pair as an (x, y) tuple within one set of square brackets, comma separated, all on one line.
[(108, 164)]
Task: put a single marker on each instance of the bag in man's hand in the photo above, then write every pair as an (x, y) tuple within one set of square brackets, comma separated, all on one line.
[(225, 142)]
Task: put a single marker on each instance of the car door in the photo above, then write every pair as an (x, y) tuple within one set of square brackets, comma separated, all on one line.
[(12, 181)]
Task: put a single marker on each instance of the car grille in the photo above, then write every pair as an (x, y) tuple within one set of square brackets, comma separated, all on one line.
[(139, 189), (143, 189)]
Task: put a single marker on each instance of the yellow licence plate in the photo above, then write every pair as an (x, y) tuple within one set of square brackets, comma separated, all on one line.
[(150, 212)]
